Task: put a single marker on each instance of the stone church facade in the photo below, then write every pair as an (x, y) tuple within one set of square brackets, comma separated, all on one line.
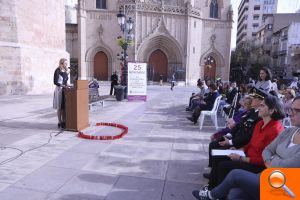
[(32, 40), (170, 35), (191, 38)]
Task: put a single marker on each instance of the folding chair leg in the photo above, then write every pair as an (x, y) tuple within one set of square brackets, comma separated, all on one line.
[(215, 120), (201, 119)]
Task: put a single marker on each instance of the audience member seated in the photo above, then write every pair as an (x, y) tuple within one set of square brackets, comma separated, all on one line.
[(274, 86), (243, 183), (229, 97), (226, 87), (197, 97), (208, 82), (220, 87), (231, 93), (206, 104), (243, 90), (294, 84), (236, 119), (284, 151), (288, 98)]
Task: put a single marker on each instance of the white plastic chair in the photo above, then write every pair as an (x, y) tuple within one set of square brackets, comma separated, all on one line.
[(212, 113)]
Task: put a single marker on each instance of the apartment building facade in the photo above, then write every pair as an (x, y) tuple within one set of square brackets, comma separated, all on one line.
[(251, 14), (279, 38)]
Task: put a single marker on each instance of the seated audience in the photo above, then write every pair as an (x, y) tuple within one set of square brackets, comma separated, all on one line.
[(283, 151), (264, 132), (240, 133)]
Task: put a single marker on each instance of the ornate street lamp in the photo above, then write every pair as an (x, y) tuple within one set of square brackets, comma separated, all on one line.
[(125, 41)]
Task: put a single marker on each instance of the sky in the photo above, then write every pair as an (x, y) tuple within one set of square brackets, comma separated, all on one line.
[(284, 6)]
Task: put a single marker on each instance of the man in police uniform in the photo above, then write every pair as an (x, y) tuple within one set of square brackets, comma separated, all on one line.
[(241, 133)]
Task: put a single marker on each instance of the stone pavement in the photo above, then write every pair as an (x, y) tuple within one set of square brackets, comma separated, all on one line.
[(161, 158)]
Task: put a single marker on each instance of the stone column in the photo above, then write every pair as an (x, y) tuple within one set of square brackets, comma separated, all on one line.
[(190, 43), (82, 66)]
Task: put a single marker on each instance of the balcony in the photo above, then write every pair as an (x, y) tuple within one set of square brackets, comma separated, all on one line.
[(275, 54), (295, 50), (284, 37), (282, 52)]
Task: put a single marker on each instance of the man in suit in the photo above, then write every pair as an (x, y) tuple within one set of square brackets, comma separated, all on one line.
[(232, 92), (230, 96), (114, 81)]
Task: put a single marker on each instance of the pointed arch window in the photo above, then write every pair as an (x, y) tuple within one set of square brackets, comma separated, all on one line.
[(214, 9), (101, 4)]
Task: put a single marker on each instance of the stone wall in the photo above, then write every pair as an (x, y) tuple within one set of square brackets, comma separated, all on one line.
[(32, 40)]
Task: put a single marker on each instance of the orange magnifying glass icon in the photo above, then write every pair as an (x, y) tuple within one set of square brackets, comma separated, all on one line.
[(277, 180)]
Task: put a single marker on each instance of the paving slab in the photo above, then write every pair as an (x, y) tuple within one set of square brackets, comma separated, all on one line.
[(46, 179), (14, 193), (186, 171), (134, 188), (179, 190), (89, 183)]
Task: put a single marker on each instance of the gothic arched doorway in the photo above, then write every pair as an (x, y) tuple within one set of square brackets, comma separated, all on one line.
[(210, 68), (158, 65), (101, 66)]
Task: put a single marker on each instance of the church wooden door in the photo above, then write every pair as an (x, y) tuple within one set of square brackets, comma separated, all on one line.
[(101, 66), (158, 61)]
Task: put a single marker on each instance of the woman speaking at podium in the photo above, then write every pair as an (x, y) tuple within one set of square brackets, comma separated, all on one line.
[(60, 80)]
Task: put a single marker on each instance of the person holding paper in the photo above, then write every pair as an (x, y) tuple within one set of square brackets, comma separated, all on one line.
[(265, 131)]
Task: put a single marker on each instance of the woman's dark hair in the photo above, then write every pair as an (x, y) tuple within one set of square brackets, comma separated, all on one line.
[(213, 86), (273, 93), (268, 72), (274, 103), (243, 88), (199, 84)]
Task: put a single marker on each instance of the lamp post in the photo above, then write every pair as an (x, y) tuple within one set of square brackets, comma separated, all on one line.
[(126, 26)]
